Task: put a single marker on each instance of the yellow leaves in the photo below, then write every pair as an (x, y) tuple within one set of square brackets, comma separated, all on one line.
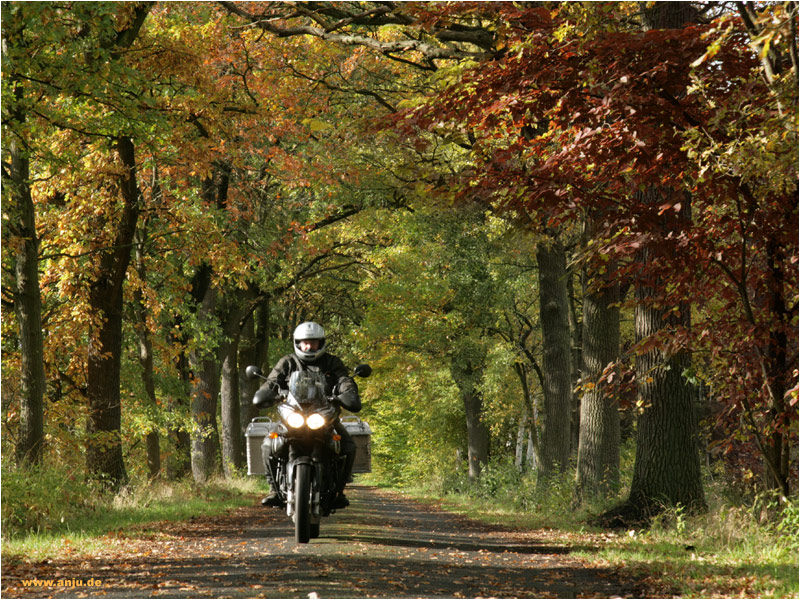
[(317, 125), (712, 50)]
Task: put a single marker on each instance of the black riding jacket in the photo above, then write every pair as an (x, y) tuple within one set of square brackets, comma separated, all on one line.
[(329, 365)]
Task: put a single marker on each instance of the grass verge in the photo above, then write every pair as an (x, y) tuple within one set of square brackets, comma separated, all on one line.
[(724, 553), (86, 526)]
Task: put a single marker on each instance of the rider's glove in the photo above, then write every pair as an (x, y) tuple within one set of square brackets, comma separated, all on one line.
[(350, 400), (265, 396)]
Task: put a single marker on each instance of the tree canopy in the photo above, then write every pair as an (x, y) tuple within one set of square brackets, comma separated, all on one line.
[(469, 195)]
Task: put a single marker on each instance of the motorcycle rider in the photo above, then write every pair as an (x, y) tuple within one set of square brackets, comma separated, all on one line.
[(310, 354)]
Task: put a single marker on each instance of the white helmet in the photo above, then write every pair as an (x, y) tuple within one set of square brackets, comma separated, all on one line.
[(309, 331)]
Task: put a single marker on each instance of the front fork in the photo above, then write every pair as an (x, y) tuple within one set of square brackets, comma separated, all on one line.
[(317, 476), (318, 458)]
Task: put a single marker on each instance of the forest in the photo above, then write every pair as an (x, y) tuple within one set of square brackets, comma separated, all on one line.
[(563, 234)]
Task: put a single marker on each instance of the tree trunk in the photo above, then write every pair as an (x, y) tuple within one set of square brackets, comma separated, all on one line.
[(598, 448), (527, 423), (28, 308), (477, 434), (779, 368), (253, 350), (467, 375), (667, 465), (104, 457), (576, 341), (152, 442), (232, 439), (556, 369), (179, 458), (247, 352), (205, 390), (519, 447), (22, 226)]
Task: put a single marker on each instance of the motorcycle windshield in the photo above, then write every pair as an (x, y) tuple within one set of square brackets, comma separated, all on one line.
[(307, 387)]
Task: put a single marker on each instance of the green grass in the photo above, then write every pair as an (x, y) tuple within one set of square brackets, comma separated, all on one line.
[(726, 552), (86, 525)]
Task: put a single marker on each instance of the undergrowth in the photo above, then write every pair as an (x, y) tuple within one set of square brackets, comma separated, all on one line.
[(42, 507)]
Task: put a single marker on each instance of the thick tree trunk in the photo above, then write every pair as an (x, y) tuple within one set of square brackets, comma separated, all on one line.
[(477, 434), (576, 342), (556, 369), (598, 447), (28, 308), (667, 464), (232, 446), (104, 456)]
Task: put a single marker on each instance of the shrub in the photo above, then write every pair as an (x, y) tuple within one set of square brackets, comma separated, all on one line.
[(39, 499)]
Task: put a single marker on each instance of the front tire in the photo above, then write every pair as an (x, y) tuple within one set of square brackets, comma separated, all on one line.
[(302, 503)]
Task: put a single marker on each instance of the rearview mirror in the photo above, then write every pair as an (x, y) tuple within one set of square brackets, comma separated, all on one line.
[(253, 372), (363, 371)]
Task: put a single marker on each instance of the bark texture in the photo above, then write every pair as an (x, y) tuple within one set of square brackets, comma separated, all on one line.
[(555, 439), (205, 391), (467, 374), (21, 224), (232, 440), (104, 456), (667, 463), (28, 308), (598, 446)]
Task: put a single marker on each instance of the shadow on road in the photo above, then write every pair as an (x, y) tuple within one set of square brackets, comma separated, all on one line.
[(382, 546)]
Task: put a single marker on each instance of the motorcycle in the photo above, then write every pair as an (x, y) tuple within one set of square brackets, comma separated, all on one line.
[(307, 449)]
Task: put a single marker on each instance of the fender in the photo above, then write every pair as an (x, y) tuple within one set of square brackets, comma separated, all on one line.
[(300, 460)]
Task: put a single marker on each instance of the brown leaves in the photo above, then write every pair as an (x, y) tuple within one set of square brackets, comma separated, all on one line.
[(381, 546)]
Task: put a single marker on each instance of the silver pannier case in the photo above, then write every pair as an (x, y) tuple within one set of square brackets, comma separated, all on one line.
[(361, 434), (256, 431)]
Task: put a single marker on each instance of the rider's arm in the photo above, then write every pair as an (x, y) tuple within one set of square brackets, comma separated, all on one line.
[(268, 393), (279, 376), (348, 390)]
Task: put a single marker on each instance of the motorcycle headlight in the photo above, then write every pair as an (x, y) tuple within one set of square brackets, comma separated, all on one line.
[(295, 420), (315, 421)]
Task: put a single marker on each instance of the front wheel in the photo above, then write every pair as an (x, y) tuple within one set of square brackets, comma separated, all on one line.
[(302, 503)]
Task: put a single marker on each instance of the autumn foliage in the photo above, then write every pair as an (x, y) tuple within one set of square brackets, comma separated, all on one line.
[(570, 121), (184, 181)]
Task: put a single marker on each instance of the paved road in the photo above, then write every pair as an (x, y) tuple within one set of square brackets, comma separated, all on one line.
[(382, 546)]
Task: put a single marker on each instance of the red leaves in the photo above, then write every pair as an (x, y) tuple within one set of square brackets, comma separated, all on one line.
[(669, 206)]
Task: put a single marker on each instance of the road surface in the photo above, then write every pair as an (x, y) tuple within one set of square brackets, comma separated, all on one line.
[(382, 546)]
